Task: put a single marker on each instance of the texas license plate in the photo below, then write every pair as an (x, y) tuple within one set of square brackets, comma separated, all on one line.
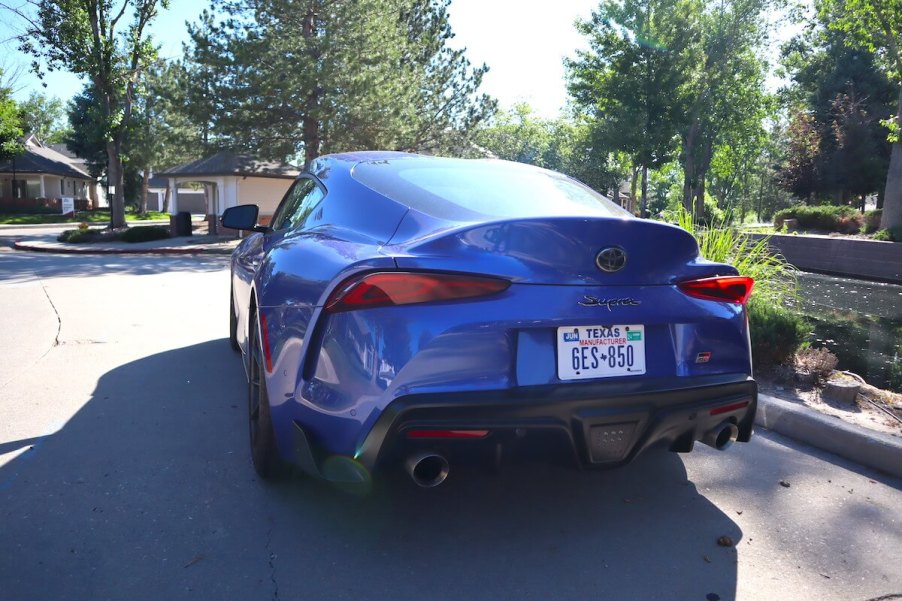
[(585, 352)]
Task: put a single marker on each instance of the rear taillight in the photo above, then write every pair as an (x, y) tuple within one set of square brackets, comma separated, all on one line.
[(730, 289), (405, 288)]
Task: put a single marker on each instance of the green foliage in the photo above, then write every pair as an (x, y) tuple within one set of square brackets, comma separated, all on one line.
[(561, 144), (280, 79), (107, 43), (145, 233), (839, 97), (892, 234), (777, 333), (637, 50), (831, 218), (79, 236), (45, 117), (10, 124), (775, 279), (871, 221)]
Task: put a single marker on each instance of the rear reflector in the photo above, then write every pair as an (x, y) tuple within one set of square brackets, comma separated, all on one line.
[(728, 408), (731, 289), (264, 338), (447, 433), (405, 288)]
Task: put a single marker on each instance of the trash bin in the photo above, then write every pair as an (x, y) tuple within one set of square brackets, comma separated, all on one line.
[(182, 224)]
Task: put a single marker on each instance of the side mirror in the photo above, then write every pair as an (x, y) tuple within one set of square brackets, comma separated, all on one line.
[(242, 217)]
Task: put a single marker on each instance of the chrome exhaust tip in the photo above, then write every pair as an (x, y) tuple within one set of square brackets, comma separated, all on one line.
[(427, 469), (722, 437)]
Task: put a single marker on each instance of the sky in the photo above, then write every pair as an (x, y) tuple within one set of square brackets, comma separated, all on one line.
[(523, 42)]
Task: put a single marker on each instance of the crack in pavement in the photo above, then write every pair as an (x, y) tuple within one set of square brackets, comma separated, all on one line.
[(272, 565), (59, 321), (56, 338)]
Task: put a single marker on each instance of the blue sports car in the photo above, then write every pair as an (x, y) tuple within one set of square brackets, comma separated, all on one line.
[(410, 310)]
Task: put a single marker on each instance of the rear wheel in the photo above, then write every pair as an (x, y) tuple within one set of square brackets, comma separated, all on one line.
[(233, 322), (263, 442)]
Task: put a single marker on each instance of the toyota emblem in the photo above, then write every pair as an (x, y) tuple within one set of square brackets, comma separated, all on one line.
[(611, 259)]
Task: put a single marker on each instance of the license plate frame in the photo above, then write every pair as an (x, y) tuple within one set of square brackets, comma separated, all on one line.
[(600, 351)]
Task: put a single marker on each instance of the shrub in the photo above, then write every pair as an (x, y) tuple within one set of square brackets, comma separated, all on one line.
[(775, 279), (883, 236), (777, 333), (872, 221), (819, 362), (145, 233), (831, 218), (79, 235)]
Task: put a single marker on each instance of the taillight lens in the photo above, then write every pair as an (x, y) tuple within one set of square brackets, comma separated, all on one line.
[(730, 289), (406, 288)]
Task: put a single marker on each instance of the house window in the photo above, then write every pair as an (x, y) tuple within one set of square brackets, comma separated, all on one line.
[(33, 189), (62, 187)]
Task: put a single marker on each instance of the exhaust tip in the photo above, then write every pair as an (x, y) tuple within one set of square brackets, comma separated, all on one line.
[(722, 437), (427, 469)]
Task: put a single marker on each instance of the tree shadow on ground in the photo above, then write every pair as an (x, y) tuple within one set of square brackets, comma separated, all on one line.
[(22, 266), (148, 493)]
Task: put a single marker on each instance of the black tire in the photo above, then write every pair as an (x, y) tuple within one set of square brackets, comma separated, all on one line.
[(233, 323), (264, 454)]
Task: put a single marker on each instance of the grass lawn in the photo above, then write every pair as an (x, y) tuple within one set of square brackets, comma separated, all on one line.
[(99, 216)]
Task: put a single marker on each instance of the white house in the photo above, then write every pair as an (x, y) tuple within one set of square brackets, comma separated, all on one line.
[(230, 180), (41, 176)]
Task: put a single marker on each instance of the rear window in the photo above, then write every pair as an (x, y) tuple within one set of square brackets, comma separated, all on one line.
[(458, 189)]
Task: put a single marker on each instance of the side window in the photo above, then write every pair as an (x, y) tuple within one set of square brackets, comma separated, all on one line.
[(297, 205), (282, 219)]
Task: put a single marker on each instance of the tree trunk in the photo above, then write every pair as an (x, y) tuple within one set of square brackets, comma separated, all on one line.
[(892, 198), (633, 186), (166, 200), (689, 166), (142, 202), (699, 200), (311, 125), (117, 179), (643, 213)]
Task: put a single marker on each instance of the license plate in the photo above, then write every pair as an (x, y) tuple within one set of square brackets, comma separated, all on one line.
[(585, 352)]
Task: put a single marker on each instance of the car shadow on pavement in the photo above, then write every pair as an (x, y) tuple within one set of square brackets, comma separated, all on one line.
[(148, 493)]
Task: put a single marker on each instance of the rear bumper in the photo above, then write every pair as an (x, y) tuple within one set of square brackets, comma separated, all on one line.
[(597, 426)]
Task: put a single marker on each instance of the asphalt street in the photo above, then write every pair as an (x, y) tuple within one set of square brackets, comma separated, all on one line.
[(125, 474)]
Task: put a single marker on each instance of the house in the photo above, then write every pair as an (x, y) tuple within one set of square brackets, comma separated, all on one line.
[(41, 176), (231, 179), (192, 200)]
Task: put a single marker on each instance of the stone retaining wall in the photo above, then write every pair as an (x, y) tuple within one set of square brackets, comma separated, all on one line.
[(850, 257)]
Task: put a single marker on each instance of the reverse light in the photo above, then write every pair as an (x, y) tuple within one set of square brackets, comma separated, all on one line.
[(386, 289), (730, 289)]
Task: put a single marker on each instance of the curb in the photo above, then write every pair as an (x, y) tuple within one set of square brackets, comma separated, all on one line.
[(83, 250), (869, 448)]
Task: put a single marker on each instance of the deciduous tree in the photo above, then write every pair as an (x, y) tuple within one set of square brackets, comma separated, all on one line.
[(106, 41), (44, 116), (876, 25), (632, 81)]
